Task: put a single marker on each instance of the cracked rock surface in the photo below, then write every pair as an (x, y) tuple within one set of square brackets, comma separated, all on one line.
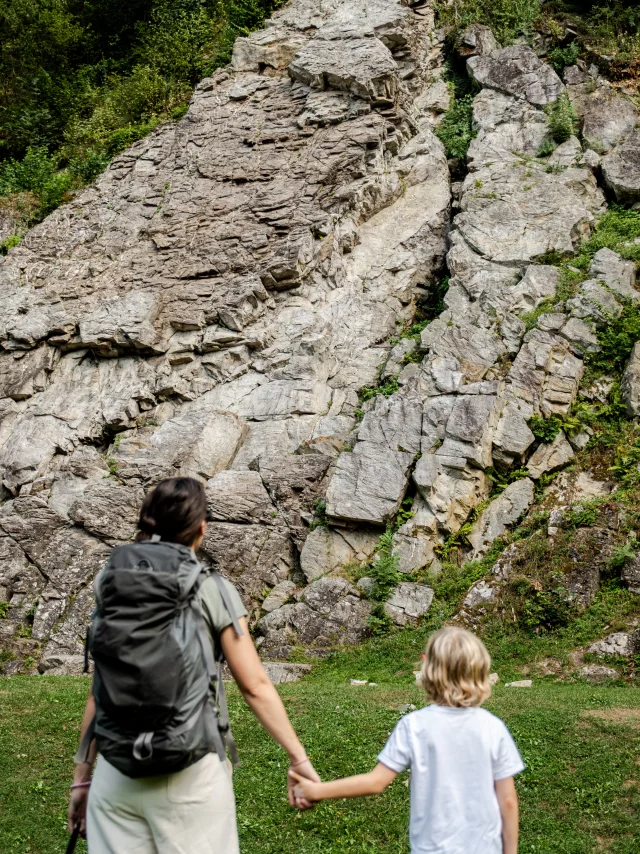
[(211, 307), (214, 304)]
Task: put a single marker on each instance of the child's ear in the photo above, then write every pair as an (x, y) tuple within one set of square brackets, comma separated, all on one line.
[(423, 657)]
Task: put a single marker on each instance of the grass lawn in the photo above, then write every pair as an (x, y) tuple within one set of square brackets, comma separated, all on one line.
[(579, 794)]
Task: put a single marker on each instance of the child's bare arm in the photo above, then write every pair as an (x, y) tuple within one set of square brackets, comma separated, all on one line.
[(350, 787), (508, 803)]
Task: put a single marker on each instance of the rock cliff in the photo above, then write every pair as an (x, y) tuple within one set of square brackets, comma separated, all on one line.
[(214, 304)]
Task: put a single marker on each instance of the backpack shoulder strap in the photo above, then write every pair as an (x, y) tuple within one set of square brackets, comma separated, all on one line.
[(226, 598)]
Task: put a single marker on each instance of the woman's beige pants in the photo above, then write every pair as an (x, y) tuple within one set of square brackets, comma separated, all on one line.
[(191, 812)]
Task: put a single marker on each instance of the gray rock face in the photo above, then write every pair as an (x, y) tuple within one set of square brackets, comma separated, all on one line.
[(550, 458), (408, 603), (330, 613), (631, 383), (621, 169), (631, 575), (516, 70), (480, 594), (597, 673), (505, 510), (619, 644), (327, 550), (212, 305)]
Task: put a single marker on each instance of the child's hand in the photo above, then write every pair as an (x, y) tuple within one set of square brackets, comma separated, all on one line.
[(304, 788)]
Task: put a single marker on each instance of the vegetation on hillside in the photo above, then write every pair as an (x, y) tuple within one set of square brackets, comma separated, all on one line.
[(80, 80)]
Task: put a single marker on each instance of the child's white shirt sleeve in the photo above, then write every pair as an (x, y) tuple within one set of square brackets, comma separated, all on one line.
[(396, 754), (505, 759)]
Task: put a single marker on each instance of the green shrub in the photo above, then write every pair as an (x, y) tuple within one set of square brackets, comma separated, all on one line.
[(507, 18), (456, 130), (36, 173), (545, 429), (384, 568), (561, 57), (539, 608), (562, 119), (616, 340)]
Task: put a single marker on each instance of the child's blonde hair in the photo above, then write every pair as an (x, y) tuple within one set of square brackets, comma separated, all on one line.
[(455, 671)]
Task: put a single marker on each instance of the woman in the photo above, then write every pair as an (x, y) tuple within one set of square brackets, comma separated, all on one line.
[(191, 809)]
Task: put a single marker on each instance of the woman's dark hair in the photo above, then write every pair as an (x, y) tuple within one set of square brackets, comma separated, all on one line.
[(174, 510)]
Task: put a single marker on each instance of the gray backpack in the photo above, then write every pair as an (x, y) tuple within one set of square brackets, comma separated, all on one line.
[(154, 665)]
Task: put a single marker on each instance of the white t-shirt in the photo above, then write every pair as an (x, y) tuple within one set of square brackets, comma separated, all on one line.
[(455, 755)]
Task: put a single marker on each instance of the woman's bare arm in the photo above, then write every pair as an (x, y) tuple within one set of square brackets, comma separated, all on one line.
[(263, 699), (82, 774), (508, 803)]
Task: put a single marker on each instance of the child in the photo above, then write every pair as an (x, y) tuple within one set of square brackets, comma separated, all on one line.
[(462, 758)]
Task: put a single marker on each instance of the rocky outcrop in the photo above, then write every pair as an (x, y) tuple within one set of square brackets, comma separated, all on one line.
[(211, 307), (215, 303)]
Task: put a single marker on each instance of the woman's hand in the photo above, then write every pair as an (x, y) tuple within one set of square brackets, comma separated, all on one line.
[(77, 813), (298, 771), (303, 789)]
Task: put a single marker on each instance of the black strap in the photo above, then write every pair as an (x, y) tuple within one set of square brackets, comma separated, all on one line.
[(71, 847)]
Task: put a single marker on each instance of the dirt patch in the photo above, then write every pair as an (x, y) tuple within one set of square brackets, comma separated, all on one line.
[(616, 715)]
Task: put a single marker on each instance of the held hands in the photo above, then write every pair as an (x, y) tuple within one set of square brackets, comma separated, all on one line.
[(305, 789), (298, 772)]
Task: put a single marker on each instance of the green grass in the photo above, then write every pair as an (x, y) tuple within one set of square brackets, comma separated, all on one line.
[(580, 786)]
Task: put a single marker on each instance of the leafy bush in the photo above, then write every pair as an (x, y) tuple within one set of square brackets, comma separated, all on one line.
[(385, 389), (561, 57), (507, 18), (541, 608), (36, 173), (384, 568), (545, 429), (562, 119), (456, 131), (616, 340)]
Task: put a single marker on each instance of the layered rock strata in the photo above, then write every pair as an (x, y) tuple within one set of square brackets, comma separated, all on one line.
[(214, 304), (211, 307)]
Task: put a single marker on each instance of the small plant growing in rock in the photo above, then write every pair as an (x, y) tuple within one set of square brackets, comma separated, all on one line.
[(562, 119), (545, 429), (456, 130)]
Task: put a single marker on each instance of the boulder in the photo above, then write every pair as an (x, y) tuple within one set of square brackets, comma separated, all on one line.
[(349, 61), (621, 170), (505, 510), (595, 303), (630, 385), (550, 458), (516, 70), (330, 613), (279, 596), (480, 594), (590, 551), (280, 672), (477, 40), (618, 275), (368, 484), (597, 673), (607, 119), (631, 575), (327, 550), (239, 496), (408, 603), (619, 645)]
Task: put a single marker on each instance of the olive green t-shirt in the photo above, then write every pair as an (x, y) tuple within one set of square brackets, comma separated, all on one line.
[(214, 611)]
